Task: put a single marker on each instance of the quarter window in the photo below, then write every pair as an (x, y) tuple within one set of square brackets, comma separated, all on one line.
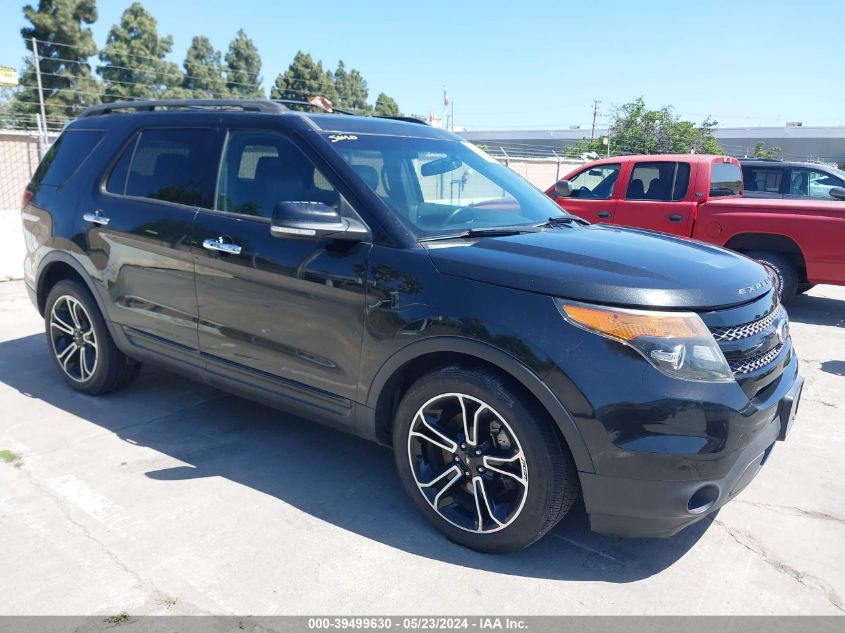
[(659, 181), (66, 154), (595, 183), (262, 169)]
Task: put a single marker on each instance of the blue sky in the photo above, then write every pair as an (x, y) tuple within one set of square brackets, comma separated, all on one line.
[(510, 65)]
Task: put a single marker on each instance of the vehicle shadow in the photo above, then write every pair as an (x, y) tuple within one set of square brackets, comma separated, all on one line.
[(343, 480), (817, 310)]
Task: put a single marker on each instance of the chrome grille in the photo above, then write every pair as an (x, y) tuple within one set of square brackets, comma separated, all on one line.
[(738, 332), (747, 365)]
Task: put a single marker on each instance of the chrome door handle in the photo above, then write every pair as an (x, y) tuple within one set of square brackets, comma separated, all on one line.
[(604, 214), (223, 247), (96, 218)]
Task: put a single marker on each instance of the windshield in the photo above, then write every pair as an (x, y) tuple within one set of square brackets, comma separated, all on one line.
[(439, 187)]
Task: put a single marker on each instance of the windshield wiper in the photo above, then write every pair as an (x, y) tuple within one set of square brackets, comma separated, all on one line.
[(488, 231), (563, 220)]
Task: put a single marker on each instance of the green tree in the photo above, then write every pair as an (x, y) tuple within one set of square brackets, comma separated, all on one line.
[(134, 64), (204, 70), (637, 130), (351, 87), (64, 45), (386, 106), (243, 68), (304, 79), (760, 150)]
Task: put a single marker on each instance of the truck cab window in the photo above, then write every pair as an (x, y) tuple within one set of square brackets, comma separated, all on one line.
[(595, 183)]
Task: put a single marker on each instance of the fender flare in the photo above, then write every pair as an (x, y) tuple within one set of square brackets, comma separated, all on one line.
[(56, 256), (512, 366)]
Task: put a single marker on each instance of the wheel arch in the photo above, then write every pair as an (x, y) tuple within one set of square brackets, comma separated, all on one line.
[(396, 375), (58, 266), (776, 242)]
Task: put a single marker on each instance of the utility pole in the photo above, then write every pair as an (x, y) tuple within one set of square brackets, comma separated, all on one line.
[(596, 103), (43, 122)]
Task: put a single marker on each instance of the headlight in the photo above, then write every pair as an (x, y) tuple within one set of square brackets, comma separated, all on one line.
[(676, 343)]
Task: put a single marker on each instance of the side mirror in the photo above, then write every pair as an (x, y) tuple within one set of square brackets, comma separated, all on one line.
[(837, 192), (315, 220), (563, 189)]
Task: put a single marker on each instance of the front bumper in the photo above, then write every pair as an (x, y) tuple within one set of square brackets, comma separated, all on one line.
[(620, 506)]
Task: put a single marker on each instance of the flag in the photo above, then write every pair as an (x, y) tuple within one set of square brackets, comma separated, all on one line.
[(445, 99)]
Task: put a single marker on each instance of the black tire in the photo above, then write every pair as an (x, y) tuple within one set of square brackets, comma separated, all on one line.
[(785, 277), (72, 318), (529, 483), (805, 288)]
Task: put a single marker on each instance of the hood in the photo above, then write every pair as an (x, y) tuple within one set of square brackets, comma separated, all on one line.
[(607, 265)]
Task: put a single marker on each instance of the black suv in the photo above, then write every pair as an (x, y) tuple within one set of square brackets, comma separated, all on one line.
[(772, 178), (394, 281)]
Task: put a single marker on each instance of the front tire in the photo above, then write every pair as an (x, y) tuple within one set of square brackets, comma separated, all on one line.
[(80, 344), (483, 464)]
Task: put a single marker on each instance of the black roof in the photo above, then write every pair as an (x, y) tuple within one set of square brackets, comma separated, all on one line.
[(776, 162), (337, 121)]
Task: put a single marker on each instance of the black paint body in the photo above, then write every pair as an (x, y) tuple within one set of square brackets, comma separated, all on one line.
[(332, 330)]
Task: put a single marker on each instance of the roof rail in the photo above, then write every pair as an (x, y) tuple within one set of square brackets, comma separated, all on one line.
[(406, 119), (245, 105), (315, 106)]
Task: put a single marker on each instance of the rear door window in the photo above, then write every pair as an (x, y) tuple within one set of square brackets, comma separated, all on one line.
[(67, 153), (725, 180), (171, 165), (767, 179), (659, 181)]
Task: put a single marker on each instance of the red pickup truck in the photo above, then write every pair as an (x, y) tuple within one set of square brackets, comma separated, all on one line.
[(801, 243)]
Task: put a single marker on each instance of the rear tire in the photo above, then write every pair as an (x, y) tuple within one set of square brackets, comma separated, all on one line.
[(782, 272), (80, 344), (484, 465), (805, 288)]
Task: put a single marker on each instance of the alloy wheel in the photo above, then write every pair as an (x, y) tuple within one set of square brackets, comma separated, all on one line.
[(468, 463), (73, 338)]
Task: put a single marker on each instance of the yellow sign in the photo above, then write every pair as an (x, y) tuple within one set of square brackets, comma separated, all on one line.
[(8, 76)]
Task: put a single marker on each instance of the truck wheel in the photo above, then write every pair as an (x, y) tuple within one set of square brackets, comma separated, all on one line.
[(481, 463), (780, 269), (82, 349)]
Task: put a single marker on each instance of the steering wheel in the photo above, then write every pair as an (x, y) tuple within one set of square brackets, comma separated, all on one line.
[(450, 219)]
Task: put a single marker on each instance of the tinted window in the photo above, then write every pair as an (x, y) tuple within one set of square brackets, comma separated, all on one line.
[(663, 181), (67, 153), (172, 165), (596, 182), (681, 181), (725, 180), (261, 169), (768, 179), (117, 179), (812, 182)]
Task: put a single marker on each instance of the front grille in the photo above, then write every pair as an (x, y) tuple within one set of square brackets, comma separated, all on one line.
[(738, 332), (747, 365)]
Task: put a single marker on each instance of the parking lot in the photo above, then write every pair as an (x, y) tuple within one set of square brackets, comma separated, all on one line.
[(172, 497)]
